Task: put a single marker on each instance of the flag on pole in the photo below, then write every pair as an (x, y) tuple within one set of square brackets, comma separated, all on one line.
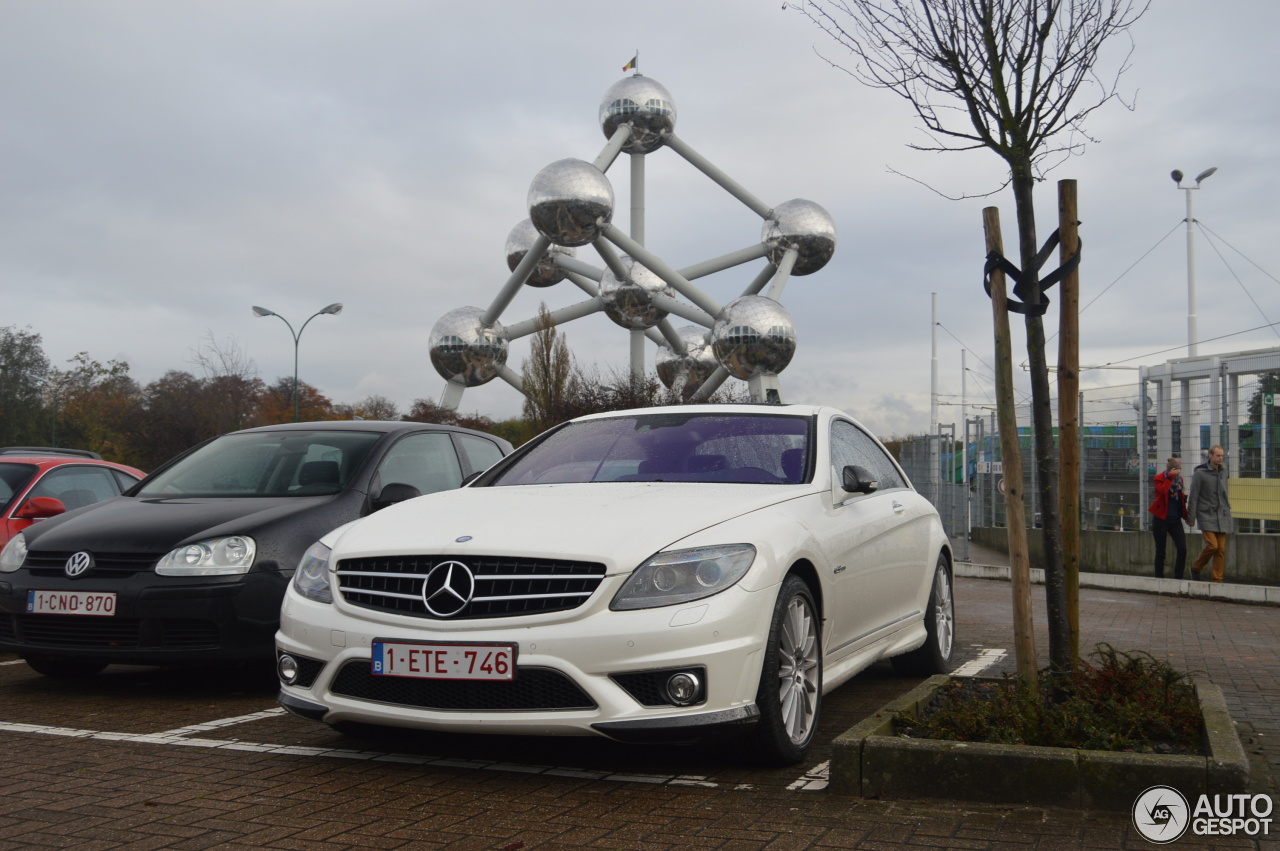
[(635, 60)]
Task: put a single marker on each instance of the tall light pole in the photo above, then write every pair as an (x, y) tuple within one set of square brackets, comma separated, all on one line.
[(1193, 339), (53, 439), (332, 309)]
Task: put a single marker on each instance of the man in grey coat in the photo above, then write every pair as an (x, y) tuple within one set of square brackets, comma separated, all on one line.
[(1208, 508)]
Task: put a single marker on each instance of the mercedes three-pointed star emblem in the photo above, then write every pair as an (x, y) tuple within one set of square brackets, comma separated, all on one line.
[(448, 589)]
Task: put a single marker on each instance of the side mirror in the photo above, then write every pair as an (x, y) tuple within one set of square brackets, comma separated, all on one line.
[(39, 508), (393, 493), (855, 479)]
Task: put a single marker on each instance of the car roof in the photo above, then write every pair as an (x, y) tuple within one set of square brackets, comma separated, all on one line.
[(27, 451), (756, 408), (45, 462), (386, 426), (382, 426)]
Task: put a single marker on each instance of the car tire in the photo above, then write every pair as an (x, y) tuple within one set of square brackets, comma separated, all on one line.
[(934, 656), (790, 693), (63, 668)]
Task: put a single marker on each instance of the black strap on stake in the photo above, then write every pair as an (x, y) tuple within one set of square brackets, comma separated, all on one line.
[(995, 260)]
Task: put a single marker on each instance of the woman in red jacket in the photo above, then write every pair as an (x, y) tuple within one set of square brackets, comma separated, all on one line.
[(1168, 509)]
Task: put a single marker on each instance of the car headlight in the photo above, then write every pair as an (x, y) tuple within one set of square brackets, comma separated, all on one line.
[(311, 579), (681, 576), (13, 554), (214, 557)]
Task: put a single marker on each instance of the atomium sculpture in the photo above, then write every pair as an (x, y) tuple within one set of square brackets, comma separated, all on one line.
[(571, 205)]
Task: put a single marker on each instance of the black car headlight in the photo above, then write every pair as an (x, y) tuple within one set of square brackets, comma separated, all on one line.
[(311, 579), (212, 557), (13, 554), (681, 576)]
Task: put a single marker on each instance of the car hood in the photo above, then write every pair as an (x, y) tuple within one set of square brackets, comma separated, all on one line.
[(132, 524), (619, 524)]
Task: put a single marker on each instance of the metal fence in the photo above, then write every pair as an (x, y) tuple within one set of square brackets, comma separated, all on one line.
[(1180, 409)]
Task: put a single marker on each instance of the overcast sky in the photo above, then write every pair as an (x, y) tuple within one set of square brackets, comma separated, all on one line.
[(168, 165)]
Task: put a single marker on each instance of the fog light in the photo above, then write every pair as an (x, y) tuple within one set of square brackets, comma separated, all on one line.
[(683, 688), (287, 668)]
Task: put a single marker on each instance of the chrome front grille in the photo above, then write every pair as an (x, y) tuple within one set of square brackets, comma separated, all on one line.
[(502, 587)]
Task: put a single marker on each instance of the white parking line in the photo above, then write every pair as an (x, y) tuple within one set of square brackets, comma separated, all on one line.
[(986, 659), (180, 738), (224, 722), (13, 662), (813, 779)]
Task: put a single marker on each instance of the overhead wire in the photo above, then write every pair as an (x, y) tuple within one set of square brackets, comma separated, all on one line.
[(1209, 238), (1216, 236), (1183, 346)]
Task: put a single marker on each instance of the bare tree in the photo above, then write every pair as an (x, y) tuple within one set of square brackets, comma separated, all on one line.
[(231, 384), (549, 375), (1016, 77), (373, 407)]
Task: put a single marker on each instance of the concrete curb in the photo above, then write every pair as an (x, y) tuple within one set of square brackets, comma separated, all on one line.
[(869, 761), (1219, 591)]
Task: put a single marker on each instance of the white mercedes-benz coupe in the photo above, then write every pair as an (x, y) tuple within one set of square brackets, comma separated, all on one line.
[(652, 575)]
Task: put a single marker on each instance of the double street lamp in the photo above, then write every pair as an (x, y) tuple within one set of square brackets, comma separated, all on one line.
[(332, 309), (1193, 339)]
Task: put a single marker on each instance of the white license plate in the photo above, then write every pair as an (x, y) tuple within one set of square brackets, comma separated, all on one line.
[(436, 661), (96, 603)]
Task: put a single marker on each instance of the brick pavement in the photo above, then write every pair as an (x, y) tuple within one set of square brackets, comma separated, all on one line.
[(64, 791)]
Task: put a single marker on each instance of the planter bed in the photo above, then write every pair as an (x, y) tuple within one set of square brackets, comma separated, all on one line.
[(870, 761)]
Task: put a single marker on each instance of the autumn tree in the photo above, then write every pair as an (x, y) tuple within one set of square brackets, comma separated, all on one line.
[(25, 419), (97, 406), (1017, 78), (276, 404)]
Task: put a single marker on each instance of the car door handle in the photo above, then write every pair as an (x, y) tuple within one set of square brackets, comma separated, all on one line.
[(898, 507)]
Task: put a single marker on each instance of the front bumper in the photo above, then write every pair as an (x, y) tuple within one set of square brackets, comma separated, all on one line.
[(574, 675), (158, 620)]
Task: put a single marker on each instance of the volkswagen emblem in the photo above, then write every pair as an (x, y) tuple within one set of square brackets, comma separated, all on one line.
[(78, 564), (448, 589)]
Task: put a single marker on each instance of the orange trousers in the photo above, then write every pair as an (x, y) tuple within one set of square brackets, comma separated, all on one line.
[(1215, 547)]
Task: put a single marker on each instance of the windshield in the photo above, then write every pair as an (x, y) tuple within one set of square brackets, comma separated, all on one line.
[(293, 463), (13, 478), (744, 448)]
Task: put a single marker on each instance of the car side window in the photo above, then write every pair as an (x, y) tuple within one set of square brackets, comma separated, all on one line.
[(77, 486), (851, 445), (426, 461), (481, 454)]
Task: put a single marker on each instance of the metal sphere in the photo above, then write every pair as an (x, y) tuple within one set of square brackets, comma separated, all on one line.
[(546, 273), (463, 349), (804, 226), (629, 301), (570, 201), (643, 103), (686, 373), (754, 336)]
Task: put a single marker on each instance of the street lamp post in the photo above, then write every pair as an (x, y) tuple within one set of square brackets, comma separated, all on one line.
[(1193, 341), (332, 309), (53, 388)]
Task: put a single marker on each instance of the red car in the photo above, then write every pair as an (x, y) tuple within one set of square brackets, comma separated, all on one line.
[(36, 483)]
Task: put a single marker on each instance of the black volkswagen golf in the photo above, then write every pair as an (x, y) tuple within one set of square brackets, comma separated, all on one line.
[(190, 565)]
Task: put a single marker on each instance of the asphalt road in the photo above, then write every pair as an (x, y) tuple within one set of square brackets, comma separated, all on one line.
[(191, 759)]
